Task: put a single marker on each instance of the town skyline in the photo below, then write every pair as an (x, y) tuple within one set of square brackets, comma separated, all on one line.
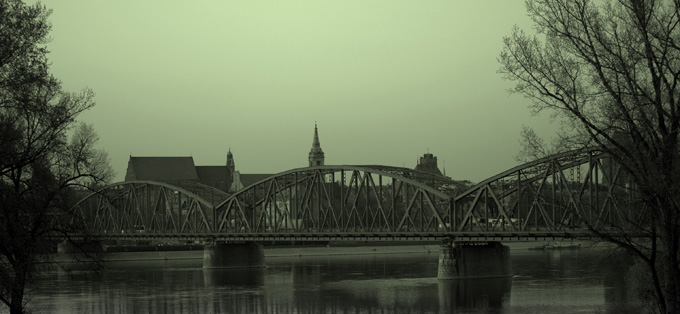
[(385, 81)]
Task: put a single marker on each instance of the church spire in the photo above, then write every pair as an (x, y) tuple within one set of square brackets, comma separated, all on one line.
[(230, 161), (316, 156)]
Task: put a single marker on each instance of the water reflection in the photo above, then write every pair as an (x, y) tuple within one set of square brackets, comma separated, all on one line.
[(483, 293), (566, 282), (238, 277), (628, 289)]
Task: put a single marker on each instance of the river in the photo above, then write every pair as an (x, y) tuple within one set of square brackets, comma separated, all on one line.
[(566, 281)]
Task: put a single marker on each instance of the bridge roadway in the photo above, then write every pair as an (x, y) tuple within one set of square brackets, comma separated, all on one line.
[(561, 196)]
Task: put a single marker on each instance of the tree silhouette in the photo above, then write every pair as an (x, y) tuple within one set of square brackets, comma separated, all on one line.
[(40, 167), (610, 71)]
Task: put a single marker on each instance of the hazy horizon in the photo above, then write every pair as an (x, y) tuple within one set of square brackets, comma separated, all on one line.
[(386, 81)]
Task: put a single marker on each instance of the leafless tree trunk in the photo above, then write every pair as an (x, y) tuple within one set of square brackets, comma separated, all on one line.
[(40, 167), (611, 70)]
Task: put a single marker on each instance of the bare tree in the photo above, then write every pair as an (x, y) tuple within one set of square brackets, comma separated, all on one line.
[(39, 166), (611, 71)]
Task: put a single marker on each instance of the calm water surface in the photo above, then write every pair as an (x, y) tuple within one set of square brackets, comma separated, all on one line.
[(578, 281)]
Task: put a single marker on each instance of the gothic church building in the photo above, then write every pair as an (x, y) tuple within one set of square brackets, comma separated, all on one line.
[(226, 178)]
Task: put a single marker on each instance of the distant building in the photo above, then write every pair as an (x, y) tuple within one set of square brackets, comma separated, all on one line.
[(174, 169), (316, 156), (226, 178), (243, 180), (428, 163)]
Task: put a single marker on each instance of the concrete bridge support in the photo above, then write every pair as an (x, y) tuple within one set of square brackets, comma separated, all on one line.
[(233, 255), (474, 260), (71, 248)]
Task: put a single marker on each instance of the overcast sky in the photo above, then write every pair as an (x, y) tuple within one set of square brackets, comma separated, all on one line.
[(384, 80)]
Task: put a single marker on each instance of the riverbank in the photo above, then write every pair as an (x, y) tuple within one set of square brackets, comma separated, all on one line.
[(195, 252)]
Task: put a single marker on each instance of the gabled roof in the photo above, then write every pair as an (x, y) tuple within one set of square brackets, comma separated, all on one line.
[(213, 173), (248, 179), (161, 168)]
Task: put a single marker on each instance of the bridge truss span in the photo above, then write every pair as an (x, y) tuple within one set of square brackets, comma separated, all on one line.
[(562, 196), (335, 199), (140, 207), (578, 190)]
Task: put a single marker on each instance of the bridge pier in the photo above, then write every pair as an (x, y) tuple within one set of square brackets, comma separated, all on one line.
[(233, 255), (68, 247), (473, 260)]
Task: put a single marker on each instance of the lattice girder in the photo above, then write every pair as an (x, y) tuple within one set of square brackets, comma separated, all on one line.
[(145, 207), (328, 199), (559, 194), (550, 195)]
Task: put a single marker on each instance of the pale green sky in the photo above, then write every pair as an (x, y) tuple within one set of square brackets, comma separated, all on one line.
[(385, 80)]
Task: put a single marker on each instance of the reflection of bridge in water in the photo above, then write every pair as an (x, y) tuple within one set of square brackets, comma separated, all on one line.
[(556, 197), (353, 284)]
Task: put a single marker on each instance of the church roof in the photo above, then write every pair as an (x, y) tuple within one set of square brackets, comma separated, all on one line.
[(428, 167), (211, 194), (213, 173), (248, 179), (161, 168)]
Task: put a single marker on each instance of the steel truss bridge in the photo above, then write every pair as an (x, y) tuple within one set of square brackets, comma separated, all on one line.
[(560, 196)]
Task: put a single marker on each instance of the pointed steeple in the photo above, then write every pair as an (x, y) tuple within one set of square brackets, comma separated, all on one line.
[(316, 156), (315, 141), (230, 161)]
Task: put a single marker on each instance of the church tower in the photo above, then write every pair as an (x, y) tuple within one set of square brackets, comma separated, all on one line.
[(316, 157), (428, 163), (230, 162)]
